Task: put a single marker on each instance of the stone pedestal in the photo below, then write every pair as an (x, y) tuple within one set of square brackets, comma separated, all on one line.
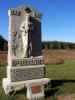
[(25, 71), (19, 85)]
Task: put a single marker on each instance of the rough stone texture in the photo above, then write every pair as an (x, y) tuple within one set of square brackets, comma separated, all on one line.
[(15, 86), (16, 17), (25, 73), (35, 91)]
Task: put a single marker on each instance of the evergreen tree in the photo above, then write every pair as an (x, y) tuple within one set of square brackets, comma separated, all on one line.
[(51, 46), (57, 45), (2, 42)]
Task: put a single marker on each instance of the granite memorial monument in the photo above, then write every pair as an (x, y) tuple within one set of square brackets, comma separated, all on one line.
[(26, 67)]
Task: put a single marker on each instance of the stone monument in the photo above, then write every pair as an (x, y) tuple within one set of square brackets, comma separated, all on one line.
[(26, 67)]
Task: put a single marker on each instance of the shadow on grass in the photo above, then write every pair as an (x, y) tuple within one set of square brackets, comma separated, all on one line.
[(55, 83), (50, 92)]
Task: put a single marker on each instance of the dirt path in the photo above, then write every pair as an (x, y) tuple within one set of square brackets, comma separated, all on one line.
[(67, 97)]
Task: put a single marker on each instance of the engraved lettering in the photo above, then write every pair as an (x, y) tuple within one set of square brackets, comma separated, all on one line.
[(20, 63), (27, 62), (17, 12), (13, 12), (37, 15)]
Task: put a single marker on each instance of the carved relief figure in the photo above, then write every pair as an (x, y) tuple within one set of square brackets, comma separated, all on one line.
[(27, 30), (14, 36)]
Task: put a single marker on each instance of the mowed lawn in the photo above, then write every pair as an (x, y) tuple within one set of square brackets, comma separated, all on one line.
[(62, 76)]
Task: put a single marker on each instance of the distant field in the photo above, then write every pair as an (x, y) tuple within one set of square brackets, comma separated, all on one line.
[(50, 56), (63, 54), (57, 56)]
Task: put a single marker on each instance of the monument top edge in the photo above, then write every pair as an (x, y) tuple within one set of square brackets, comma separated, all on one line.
[(25, 7)]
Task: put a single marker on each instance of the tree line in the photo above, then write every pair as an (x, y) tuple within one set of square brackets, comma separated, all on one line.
[(3, 43), (45, 44), (57, 45)]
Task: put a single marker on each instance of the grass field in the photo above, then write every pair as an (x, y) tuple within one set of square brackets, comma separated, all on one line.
[(62, 76)]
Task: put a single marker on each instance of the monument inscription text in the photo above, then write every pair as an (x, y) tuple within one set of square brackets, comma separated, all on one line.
[(15, 12), (37, 15), (27, 62)]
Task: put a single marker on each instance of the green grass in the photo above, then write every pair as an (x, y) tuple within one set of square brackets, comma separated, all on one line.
[(63, 82)]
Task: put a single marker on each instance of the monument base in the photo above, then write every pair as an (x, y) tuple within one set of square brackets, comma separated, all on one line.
[(15, 86)]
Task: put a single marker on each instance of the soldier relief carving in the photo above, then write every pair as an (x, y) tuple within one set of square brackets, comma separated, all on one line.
[(27, 30)]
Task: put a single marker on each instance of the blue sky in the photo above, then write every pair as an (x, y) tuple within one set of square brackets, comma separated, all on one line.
[(58, 20)]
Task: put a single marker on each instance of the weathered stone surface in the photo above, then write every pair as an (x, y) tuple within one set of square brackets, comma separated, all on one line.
[(15, 86), (18, 24), (25, 73), (24, 46)]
